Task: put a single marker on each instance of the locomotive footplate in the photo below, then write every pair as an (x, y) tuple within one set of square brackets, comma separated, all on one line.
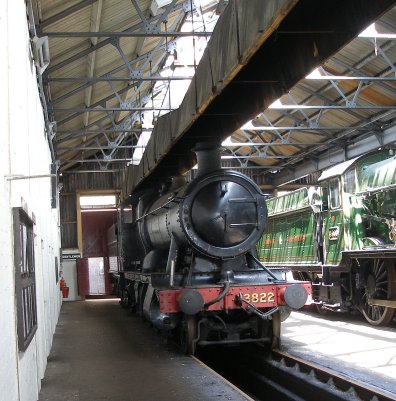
[(260, 296)]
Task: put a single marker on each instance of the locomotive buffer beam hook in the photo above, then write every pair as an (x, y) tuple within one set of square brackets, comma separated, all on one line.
[(252, 309)]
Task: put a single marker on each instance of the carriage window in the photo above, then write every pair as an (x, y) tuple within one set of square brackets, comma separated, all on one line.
[(349, 181), (334, 194)]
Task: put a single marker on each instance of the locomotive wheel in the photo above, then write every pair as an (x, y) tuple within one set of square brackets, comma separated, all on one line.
[(276, 331), (320, 310), (125, 301), (188, 333), (380, 284), (141, 294)]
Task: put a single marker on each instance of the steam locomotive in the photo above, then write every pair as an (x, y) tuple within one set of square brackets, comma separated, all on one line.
[(189, 262), (341, 236)]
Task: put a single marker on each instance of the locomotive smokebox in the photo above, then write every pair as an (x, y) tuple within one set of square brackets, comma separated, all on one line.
[(208, 157)]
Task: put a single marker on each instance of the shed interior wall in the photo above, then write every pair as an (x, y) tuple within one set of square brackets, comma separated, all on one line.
[(24, 152)]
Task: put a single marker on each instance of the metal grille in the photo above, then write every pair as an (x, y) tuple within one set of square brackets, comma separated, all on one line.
[(25, 281)]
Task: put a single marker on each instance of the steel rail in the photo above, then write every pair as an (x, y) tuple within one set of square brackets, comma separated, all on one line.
[(350, 387), (280, 376)]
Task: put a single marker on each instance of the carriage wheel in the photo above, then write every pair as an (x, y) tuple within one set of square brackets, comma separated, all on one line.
[(380, 284), (188, 333)]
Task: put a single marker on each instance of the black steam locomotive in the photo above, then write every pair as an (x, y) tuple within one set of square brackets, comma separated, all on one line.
[(188, 259)]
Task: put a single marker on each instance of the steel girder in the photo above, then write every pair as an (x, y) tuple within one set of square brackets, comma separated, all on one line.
[(350, 100), (148, 27), (265, 82), (329, 132)]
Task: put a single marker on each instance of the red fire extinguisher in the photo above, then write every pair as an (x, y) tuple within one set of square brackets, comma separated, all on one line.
[(64, 288)]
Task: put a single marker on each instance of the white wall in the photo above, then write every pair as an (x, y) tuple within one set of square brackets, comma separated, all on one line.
[(24, 151)]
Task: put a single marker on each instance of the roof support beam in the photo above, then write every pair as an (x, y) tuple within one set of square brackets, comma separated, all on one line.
[(153, 68), (117, 79), (250, 144), (228, 145), (349, 78), (129, 160), (105, 42), (97, 147), (102, 109), (99, 103), (302, 128), (304, 52), (334, 156), (118, 69), (323, 107), (145, 59), (95, 24), (98, 131), (126, 34)]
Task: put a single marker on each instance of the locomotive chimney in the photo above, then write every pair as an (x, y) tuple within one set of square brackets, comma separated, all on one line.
[(208, 157)]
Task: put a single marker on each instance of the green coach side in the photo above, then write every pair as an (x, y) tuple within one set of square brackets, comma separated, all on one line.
[(341, 235), (290, 234)]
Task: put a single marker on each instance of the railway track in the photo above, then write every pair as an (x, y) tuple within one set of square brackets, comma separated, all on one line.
[(283, 377)]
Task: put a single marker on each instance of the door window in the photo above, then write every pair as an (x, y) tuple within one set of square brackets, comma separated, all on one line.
[(349, 181), (334, 193)]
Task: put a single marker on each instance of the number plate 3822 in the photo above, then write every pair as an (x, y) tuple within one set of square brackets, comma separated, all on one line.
[(259, 297)]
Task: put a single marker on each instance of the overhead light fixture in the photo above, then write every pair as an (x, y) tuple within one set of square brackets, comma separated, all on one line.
[(41, 53)]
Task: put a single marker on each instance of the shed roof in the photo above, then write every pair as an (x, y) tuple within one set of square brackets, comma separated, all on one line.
[(97, 86)]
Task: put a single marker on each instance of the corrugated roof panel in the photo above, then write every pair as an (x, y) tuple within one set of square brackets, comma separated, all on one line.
[(50, 8)]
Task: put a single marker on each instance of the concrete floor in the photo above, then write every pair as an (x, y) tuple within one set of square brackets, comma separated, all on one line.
[(344, 343), (104, 353)]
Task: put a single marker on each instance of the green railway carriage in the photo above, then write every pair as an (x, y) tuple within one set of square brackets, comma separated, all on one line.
[(341, 236)]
